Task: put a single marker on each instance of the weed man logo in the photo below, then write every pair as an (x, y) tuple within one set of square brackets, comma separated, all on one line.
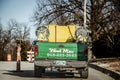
[(54, 50)]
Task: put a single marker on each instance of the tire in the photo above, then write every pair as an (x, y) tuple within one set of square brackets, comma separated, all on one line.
[(38, 70), (84, 74)]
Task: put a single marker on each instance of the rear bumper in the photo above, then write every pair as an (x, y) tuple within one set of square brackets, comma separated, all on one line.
[(69, 64)]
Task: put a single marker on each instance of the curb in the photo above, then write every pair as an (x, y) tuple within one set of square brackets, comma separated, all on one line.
[(106, 71)]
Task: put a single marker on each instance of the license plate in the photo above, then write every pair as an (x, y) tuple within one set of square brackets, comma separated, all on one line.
[(60, 63)]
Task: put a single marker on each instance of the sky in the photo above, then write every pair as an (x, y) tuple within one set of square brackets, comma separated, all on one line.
[(20, 10)]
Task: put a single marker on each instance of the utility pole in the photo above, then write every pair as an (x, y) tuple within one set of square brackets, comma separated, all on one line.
[(85, 20), (85, 14)]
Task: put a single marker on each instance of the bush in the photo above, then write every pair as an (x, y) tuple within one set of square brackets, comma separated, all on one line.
[(103, 48)]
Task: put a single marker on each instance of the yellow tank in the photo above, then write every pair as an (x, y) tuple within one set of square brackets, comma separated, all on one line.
[(57, 33), (61, 33)]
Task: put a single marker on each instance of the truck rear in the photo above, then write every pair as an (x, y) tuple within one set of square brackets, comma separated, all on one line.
[(60, 56)]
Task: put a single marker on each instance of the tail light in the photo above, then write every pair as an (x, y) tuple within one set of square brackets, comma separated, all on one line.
[(36, 50), (86, 51)]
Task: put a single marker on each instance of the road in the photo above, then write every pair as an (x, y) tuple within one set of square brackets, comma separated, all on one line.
[(8, 72)]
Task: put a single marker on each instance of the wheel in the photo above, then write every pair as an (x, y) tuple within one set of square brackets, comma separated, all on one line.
[(38, 70), (84, 74)]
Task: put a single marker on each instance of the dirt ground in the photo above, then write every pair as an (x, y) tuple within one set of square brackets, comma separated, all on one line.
[(108, 63)]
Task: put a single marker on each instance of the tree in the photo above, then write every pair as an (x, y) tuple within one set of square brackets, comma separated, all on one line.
[(1, 39), (21, 36), (99, 13), (48, 11), (15, 33), (5, 40)]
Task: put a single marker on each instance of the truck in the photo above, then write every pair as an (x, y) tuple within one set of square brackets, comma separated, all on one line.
[(60, 55)]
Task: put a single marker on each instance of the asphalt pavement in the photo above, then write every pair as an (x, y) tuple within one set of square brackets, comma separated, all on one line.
[(8, 72)]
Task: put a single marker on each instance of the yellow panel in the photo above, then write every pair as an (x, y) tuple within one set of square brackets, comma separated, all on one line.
[(52, 33), (61, 33)]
